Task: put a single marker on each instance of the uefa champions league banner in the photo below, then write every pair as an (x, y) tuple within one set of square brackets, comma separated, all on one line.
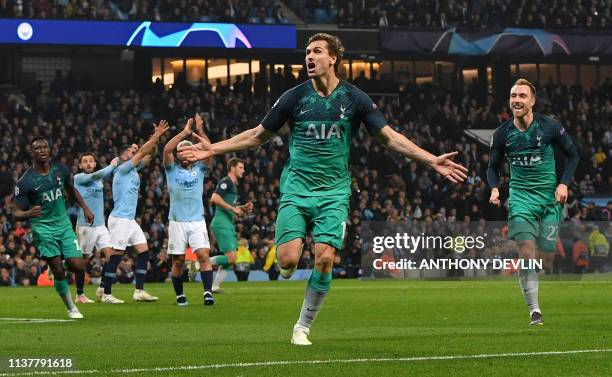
[(146, 34), (497, 42), (479, 249)]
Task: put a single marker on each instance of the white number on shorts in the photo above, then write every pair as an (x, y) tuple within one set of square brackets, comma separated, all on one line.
[(77, 245), (552, 236)]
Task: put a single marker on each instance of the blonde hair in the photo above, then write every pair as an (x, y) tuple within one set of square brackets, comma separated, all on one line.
[(184, 143), (528, 83)]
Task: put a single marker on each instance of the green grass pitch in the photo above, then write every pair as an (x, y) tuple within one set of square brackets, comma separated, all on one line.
[(436, 328)]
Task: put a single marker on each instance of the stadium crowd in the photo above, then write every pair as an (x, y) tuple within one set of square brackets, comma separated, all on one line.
[(385, 186), (239, 11), (551, 14)]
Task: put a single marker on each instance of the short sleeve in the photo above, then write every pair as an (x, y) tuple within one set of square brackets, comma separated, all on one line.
[(21, 195), (280, 111), (223, 187), (202, 166), (168, 168), (65, 172), (368, 112), (125, 167)]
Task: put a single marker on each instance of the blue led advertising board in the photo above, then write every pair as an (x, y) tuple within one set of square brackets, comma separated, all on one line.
[(146, 34)]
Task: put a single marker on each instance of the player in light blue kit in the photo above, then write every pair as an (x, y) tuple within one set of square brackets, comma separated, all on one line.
[(91, 187), (187, 225), (122, 225)]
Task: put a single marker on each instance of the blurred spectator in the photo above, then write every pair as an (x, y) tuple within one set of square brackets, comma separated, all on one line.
[(244, 259), (160, 268), (271, 267), (476, 14), (5, 278), (338, 270), (599, 250), (241, 11), (580, 256)]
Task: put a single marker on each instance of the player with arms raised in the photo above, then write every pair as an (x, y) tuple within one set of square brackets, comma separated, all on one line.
[(89, 184), (187, 225), (323, 113), (534, 205), (124, 229), (39, 196)]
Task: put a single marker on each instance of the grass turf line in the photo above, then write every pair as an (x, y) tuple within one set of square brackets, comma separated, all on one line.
[(360, 320)]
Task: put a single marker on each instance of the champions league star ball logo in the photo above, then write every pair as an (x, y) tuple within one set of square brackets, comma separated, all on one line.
[(229, 34), (25, 31)]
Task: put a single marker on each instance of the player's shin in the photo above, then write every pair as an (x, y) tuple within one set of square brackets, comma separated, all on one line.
[(177, 275), (61, 287), (220, 276), (316, 291), (111, 273), (141, 269), (80, 282), (207, 280), (528, 281), (102, 277)]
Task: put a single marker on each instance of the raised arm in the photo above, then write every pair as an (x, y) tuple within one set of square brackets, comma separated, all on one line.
[(199, 127), (272, 122), (443, 164), (149, 147), (174, 142), (246, 140), (83, 178)]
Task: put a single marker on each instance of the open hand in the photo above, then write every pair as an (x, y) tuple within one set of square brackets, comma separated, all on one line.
[(449, 169)]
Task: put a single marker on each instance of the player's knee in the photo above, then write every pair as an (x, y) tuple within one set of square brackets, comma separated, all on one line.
[(57, 269), (77, 266), (287, 261), (527, 248), (203, 255), (325, 258), (324, 262)]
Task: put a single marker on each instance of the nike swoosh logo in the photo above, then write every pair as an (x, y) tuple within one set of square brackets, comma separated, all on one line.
[(36, 188), (311, 310), (304, 111)]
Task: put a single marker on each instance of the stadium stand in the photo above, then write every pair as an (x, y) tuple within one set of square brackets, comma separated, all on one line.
[(385, 186), (555, 14), (550, 14), (239, 11)]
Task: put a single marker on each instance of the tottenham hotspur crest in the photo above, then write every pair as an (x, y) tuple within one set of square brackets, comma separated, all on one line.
[(342, 110)]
